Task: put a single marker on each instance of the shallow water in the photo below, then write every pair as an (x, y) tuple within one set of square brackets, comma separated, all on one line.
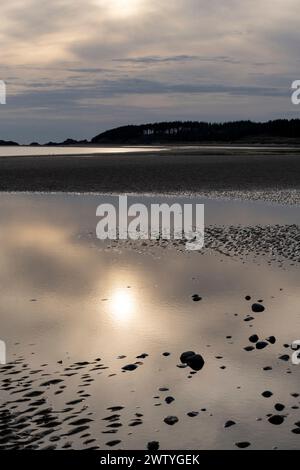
[(65, 298), (27, 151)]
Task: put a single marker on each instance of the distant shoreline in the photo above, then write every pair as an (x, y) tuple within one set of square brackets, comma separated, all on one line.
[(244, 132)]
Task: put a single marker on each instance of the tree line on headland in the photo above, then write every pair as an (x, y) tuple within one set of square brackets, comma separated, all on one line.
[(176, 132), (201, 132)]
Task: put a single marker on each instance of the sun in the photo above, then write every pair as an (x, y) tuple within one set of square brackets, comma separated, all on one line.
[(122, 8)]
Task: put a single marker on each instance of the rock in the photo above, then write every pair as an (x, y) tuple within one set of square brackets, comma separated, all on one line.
[(267, 394), (279, 407), (142, 356), (184, 356), (258, 308), (193, 414), (261, 345), (296, 431), (113, 443), (276, 420), (271, 339), (196, 298), (253, 339), (284, 357), (243, 445), (229, 423), (169, 400), (153, 446), (135, 422), (166, 354), (248, 297), (130, 367), (171, 420), (249, 348), (195, 362)]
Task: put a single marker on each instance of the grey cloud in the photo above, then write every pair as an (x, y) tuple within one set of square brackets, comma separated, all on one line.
[(177, 58), (66, 56), (75, 96), (157, 59)]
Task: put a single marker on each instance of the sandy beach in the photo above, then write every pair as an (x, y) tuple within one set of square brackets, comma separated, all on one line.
[(172, 171)]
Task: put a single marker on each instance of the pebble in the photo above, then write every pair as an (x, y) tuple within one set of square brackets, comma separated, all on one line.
[(171, 420), (169, 400), (130, 367), (184, 356), (267, 394), (261, 345), (243, 445), (195, 362), (276, 420), (196, 298), (229, 423), (258, 308), (193, 414), (284, 357), (153, 446)]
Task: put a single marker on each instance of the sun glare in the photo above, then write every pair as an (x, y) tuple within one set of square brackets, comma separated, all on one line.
[(122, 304), (122, 8)]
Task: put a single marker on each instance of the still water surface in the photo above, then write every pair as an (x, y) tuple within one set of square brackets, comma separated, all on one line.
[(67, 298)]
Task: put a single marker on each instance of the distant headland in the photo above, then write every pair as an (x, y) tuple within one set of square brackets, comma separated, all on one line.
[(279, 131)]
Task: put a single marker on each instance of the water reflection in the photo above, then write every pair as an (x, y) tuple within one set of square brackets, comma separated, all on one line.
[(122, 305), (65, 297)]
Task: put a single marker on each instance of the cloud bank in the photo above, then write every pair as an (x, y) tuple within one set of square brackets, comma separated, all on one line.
[(76, 67)]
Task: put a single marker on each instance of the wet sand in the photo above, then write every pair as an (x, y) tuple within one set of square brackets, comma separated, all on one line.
[(171, 171)]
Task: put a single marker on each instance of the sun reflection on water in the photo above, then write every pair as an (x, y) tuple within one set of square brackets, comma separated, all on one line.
[(122, 304)]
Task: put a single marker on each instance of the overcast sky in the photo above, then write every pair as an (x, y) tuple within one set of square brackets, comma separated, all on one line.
[(76, 67)]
